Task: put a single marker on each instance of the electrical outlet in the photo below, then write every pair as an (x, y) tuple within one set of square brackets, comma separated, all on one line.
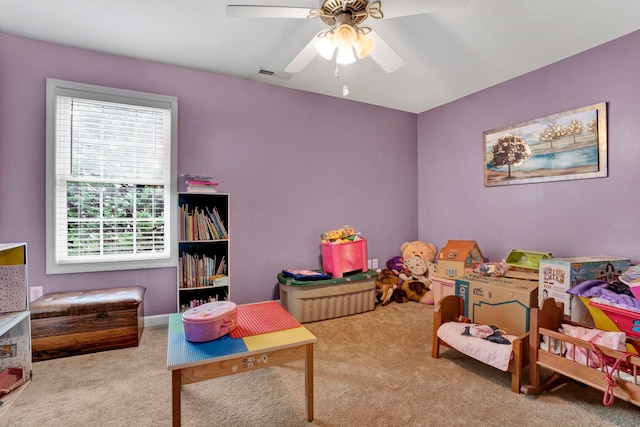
[(35, 292), (370, 264), (374, 263)]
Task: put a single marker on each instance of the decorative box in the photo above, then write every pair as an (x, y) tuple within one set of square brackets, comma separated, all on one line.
[(559, 274), (209, 321)]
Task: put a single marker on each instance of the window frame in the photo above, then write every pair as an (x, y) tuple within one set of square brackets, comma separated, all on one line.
[(55, 88)]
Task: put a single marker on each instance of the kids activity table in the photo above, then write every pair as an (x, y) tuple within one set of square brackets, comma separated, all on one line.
[(193, 362)]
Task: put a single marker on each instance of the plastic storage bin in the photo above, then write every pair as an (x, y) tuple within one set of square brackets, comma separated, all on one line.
[(209, 321), (341, 258), (311, 301)]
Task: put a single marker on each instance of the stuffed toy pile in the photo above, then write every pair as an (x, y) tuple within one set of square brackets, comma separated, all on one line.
[(408, 278)]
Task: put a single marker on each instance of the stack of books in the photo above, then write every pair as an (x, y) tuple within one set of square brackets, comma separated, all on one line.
[(200, 183)]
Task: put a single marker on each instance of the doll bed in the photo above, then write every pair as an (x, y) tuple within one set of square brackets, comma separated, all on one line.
[(621, 380), (509, 358)]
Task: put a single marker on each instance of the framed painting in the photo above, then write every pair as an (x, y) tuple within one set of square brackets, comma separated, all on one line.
[(569, 145)]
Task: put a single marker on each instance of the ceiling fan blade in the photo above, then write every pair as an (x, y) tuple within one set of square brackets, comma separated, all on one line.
[(303, 59), (399, 8), (247, 11), (384, 55)]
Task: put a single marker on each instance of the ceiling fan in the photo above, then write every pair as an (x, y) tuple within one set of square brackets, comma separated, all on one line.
[(346, 35)]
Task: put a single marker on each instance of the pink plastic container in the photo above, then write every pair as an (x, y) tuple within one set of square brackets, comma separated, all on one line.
[(627, 321), (209, 321), (340, 258)]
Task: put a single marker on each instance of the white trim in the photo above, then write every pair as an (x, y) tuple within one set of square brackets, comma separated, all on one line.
[(55, 87), (156, 320)]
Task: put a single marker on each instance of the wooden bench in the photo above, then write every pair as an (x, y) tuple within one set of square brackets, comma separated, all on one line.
[(78, 322)]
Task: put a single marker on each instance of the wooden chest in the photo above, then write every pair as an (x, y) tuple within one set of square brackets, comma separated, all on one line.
[(78, 322)]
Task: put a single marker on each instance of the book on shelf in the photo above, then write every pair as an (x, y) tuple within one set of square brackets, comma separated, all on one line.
[(201, 271), (197, 224), (200, 183), (217, 222), (201, 189)]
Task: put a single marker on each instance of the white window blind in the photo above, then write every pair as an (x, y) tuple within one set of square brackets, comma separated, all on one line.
[(112, 162)]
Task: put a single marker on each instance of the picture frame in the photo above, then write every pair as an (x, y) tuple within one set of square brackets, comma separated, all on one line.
[(564, 146)]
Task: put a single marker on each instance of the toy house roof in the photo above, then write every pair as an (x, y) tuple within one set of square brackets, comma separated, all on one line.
[(457, 250)]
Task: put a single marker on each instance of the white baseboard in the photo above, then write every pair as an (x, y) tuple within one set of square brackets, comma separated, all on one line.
[(156, 320)]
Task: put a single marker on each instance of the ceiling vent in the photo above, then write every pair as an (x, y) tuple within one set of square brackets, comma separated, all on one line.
[(269, 73)]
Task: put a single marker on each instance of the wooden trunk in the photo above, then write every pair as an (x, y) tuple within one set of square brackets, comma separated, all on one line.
[(71, 323)]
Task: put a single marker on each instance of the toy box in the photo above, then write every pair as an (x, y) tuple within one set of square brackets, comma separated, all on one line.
[(520, 260), (325, 299), (209, 321), (346, 257), (458, 257), (501, 301), (442, 287), (624, 320), (559, 274)]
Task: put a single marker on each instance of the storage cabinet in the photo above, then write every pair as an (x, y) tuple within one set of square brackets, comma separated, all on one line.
[(203, 247), (15, 327)]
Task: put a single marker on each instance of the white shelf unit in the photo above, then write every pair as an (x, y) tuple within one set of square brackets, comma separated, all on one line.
[(15, 322), (203, 248)]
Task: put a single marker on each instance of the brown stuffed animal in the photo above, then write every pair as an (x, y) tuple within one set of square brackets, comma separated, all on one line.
[(411, 290), (386, 285)]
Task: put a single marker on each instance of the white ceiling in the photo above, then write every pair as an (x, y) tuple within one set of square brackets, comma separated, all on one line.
[(449, 54)]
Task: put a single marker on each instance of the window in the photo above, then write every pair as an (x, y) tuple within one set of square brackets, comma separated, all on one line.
[(111, 178)]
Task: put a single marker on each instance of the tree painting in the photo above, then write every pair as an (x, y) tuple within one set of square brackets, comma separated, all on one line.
[(568, 145), (574, 129), (510, 150), (550, 133)]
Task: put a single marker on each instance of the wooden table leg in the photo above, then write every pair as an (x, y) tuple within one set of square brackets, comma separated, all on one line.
[(308, 382), (176, 386)]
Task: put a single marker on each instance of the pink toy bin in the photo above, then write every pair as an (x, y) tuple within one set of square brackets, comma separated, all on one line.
[(209, 321), (340, 258)]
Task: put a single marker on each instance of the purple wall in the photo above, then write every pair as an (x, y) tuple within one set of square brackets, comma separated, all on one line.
[(295, 164), (567, 218)]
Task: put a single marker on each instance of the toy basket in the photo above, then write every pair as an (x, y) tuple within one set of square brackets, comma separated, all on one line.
[(10, 379)]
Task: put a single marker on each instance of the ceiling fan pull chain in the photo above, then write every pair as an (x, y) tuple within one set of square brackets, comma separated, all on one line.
[(338, 73)]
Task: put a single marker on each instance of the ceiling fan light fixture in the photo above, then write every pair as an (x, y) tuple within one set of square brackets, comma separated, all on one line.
[(344, 36), (363, 45), (345, 56), (325, 47)]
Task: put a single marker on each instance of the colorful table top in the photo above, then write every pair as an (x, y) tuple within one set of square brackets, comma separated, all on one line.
[(182, 353)]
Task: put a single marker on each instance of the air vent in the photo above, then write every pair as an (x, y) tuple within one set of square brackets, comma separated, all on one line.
[(266, 72), (269, 73)]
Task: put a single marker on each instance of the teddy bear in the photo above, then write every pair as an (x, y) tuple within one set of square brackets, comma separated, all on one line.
[(416, 268), (416, 285), (408, 277), (426, 251), (419, 258)]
